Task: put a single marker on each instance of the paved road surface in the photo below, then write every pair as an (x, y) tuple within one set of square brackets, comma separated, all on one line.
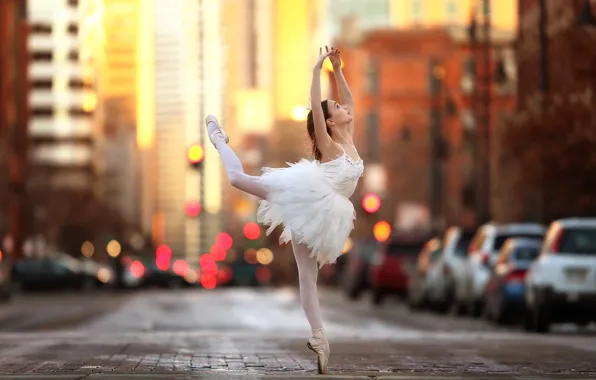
[(254, 334)]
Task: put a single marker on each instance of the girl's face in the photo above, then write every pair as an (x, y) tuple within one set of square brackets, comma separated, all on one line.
[(339, 114)]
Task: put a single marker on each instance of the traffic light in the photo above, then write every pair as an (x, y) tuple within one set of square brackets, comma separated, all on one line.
[(196, 155)]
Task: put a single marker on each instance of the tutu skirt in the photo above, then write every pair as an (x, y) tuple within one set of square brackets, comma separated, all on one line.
[(302, 199)]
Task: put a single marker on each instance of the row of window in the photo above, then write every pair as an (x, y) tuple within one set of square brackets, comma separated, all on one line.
[(49, 112), (418, 9), (47, 84), (45, 28), (48, 56)]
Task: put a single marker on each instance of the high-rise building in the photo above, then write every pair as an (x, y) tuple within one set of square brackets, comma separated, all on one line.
[(65, 43), (188, 86)]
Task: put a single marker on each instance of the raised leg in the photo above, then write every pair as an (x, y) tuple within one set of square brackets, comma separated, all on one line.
[(236, 175)]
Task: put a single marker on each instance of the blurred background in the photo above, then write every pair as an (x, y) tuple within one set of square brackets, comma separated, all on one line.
[(476, 122)]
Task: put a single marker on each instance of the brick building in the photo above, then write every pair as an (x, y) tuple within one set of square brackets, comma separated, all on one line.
[(553, 70), (415, 97)]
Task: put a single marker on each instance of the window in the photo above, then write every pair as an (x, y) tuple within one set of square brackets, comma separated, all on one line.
[(372, 129), (373, 76), (451, 11), (416, 10)]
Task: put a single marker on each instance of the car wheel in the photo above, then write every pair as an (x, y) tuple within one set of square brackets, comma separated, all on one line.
[(541, 320), (528, 320)]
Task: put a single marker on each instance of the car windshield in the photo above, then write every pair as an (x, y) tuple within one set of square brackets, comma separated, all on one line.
[(579, 241), (525, 253), (501, 238)]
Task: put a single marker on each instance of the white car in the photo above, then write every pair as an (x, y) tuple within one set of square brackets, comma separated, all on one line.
[(482, 254), (561, 283), (442, 277)]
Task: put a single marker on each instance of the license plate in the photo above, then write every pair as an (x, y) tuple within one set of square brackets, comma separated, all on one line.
[(576, 275), (572, 297)]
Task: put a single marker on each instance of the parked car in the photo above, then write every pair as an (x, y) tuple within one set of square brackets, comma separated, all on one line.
[(388, 273), (504, 299), (561, 283), (356, 271), (417, 279), (449, 269), (59, 272), (483, 252)]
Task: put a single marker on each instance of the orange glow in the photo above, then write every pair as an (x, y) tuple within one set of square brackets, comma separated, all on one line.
[(196, 154), (250, 256), (382, 230), (208, 281), (252, 231), (371, 203), (137, 269), (224, 241), (0, 255), (145, 75), (264, 256), (329, 66), (180, 267)]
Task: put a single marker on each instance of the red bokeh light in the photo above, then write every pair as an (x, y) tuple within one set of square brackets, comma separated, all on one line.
[(208, 264), (224, 276), (252, 231), (371, 203), (137, 269), (192, 208), (208, 281), (224, 241), (180, 267), (218, 253), (263, 275), (382, 230), (163, 256)]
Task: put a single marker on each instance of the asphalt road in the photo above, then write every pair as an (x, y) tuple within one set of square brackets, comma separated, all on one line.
[(255, 334)]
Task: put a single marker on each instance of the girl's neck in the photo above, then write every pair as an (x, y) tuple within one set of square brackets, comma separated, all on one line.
[(342, 137)]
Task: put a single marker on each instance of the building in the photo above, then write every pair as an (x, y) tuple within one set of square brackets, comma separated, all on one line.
[(188, 77), (14, 115), (555, 64), (415, 91)]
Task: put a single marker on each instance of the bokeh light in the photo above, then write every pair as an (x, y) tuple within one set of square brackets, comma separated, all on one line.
[(192, 208), (299, 113), (264, 256), (218, 253), (104, 275), (263, 275), (208, 264), (113, 248), (348, 246), (163, 256), (208, 281), (191, 276), (87, 249), (252, 231), (196, 154), (250, 256), (382, 230), (180, 267), (371, 203), (137, 269), (224, 241)]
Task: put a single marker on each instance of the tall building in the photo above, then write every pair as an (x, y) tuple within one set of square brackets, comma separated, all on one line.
[(188, 85), (65, 43)]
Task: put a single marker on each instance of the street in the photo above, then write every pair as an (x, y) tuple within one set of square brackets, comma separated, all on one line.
[(254, 334)]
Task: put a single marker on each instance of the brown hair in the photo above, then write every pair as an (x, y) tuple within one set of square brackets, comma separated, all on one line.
[(310, 127)]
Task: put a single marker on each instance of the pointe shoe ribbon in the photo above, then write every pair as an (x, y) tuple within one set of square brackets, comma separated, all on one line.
[(218, 134)]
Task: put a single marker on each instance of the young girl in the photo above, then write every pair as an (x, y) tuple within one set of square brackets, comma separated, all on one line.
[(309, 198)]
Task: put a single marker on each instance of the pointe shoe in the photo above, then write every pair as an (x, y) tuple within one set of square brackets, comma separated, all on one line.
[(218, 134), (320, 346)]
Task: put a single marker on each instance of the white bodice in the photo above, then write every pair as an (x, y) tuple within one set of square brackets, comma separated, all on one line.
[(343, 173)]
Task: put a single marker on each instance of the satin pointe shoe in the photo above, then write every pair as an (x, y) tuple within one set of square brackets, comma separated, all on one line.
[(215, 130), (320, 346)]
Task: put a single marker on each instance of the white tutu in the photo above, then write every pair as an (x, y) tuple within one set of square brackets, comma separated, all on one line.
[(304, 198)]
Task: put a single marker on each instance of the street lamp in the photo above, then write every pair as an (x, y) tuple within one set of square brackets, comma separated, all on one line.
[(586, 16)]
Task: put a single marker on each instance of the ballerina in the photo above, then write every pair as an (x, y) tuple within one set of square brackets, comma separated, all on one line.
[(310, 199)]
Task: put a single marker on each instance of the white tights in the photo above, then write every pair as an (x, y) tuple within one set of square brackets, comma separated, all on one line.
[(307, 266)]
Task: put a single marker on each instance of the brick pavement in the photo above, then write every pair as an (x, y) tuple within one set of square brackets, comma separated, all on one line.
[(162, 355)]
